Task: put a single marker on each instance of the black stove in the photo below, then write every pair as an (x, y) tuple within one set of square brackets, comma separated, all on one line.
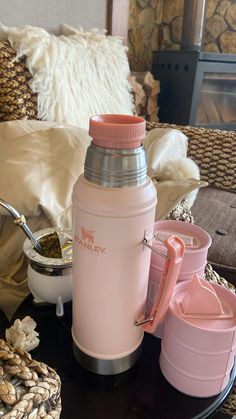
[(196, 88)]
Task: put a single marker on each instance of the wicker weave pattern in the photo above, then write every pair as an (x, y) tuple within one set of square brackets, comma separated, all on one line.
[(214, 151), (17, 101), (28, 389)]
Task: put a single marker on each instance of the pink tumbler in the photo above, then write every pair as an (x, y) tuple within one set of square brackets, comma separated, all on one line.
[(199, 342), (113, 215), (198, 346), (197, 242)]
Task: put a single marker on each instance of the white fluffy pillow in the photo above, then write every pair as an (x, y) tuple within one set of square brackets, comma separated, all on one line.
[(175, 176), (76, 75)]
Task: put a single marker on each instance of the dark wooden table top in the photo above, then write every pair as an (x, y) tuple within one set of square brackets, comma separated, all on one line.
[(140, 393)]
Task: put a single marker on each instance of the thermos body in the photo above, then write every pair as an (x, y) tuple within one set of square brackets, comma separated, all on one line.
[(113, 208), (111, 277)]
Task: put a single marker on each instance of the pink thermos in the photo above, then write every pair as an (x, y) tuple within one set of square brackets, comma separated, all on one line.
[(113, 213)]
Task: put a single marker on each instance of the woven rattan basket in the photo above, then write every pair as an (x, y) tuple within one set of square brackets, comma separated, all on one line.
[(17, 101), (28, 389)]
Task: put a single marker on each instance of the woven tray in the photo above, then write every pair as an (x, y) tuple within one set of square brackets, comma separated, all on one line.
[(28, 389)]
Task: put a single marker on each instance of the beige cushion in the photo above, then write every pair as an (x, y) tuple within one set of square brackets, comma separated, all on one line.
[(40, 162), (215, 211)]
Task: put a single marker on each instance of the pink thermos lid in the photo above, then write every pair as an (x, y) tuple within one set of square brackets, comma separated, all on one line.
[(117, 131)]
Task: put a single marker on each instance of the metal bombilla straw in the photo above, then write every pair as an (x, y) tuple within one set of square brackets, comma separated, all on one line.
[(20, 220)]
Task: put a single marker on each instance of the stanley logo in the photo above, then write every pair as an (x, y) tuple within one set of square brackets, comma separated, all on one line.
[(87, 242)]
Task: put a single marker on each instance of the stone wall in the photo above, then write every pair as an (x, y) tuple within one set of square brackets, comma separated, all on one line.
[(157, 24)]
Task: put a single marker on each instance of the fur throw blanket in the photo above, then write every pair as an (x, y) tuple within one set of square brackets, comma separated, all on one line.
[(175, 176)]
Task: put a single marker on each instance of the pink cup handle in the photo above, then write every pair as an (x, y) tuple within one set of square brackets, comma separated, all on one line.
[(175, 253)]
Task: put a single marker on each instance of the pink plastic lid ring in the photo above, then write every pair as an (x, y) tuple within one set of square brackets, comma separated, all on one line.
[(117, 131)]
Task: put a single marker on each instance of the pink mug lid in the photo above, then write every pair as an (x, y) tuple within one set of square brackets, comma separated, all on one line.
[(117, 131), (204, 305)]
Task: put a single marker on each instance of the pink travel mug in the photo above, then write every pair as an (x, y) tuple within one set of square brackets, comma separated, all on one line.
[(197, 242)]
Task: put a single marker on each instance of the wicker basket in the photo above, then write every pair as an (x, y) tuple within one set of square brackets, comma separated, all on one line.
[(17, 101), (28, 389)]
